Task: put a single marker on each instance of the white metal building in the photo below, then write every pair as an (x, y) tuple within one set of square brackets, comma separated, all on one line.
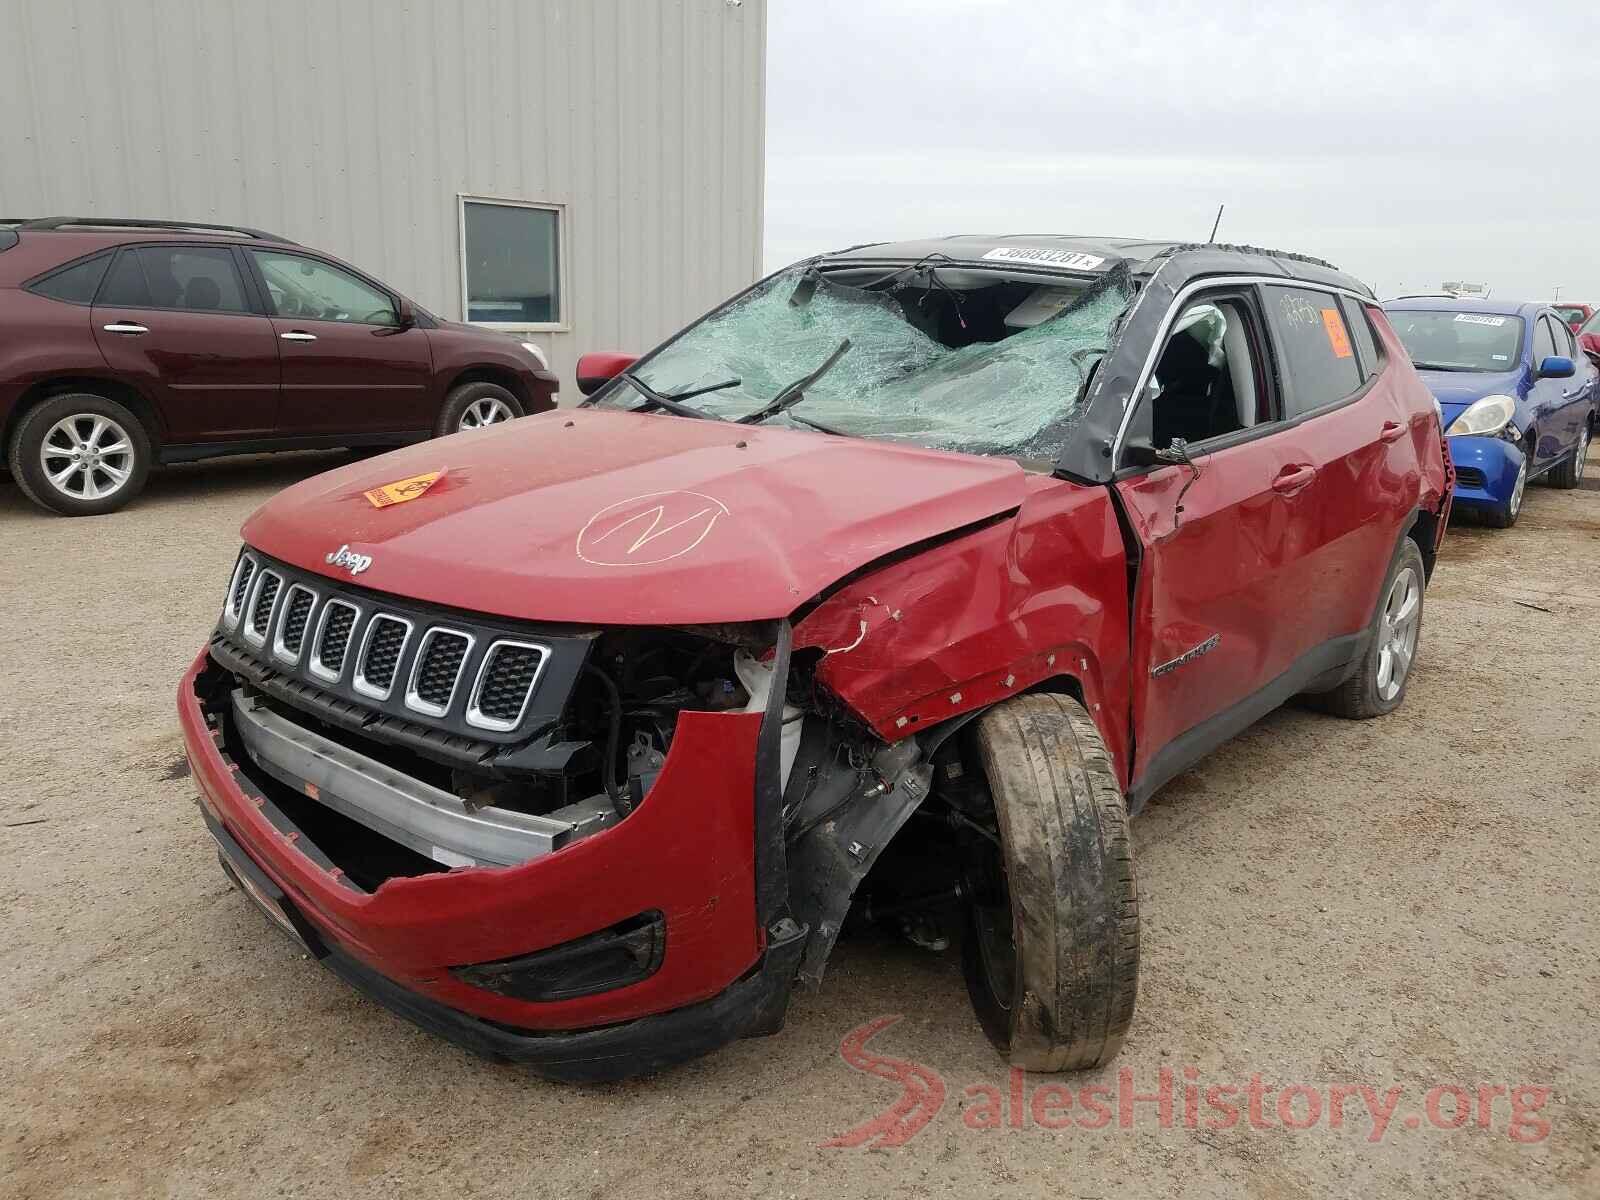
[(589, 171)]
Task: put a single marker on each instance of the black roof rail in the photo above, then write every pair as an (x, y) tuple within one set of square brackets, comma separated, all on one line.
[(43, 223)]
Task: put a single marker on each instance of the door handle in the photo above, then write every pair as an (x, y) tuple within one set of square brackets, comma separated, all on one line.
[(1293, 478), (298, 335), (127, 327), (1391, 431)]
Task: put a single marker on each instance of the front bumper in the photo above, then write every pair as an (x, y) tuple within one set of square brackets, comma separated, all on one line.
[(1486, 469), (687, 851), (752, 1004)]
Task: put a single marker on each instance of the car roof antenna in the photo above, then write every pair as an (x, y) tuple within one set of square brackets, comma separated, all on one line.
[(1215, 225)]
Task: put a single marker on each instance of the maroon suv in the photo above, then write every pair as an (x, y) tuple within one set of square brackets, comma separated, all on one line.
[(128, 342)]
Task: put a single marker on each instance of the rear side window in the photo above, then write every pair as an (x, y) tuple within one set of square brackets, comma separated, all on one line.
[(1355, 318), (1319, 354), (196, 278), (76, 283)]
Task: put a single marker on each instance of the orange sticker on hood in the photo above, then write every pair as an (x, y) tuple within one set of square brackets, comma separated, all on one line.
[(402, 490)]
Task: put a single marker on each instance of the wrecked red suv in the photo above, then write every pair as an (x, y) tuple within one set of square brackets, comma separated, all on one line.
[(885, 592)]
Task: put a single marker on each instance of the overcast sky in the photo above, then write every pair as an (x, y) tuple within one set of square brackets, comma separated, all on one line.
[(1408, 143)]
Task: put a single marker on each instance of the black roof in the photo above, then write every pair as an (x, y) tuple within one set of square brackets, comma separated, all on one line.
[(1144, 256)]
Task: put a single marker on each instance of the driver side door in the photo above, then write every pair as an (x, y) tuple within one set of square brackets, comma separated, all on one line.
[(347, 365)]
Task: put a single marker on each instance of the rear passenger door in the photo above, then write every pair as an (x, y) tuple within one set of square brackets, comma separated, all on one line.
[(176, 322), (1358, 443)]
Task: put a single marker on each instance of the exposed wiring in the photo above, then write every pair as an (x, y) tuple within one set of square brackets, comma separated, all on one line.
[(608, 768)]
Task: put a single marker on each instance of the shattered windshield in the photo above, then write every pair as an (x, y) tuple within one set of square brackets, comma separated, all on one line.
[(948, 357)]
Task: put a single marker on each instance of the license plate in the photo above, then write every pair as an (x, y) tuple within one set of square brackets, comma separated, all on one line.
[(270, 907)]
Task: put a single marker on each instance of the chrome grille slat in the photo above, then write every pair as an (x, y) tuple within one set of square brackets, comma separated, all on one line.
[(263, 599), (332, 642), (382, 647), (239, 588), (441, 658), (506, 682), (290, 636)]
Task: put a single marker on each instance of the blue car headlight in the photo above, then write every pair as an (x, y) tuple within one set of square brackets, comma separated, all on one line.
[(1485, 417)]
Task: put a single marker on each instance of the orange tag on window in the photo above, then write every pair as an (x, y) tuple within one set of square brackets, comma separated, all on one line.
[(402, 490), (1338, 339)]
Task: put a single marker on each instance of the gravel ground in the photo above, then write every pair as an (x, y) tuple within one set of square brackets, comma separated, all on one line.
[(1407, 903)]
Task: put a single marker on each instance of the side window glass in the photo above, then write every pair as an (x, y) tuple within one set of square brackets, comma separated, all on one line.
[(312, 290), (1207, 382), (1544, 344), (197, 278), (1319, 354), (125, 286), (1355, 319), (76, 284), (1563, 337)]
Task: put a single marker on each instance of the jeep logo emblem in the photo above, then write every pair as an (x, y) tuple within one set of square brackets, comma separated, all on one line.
[(349, 560)]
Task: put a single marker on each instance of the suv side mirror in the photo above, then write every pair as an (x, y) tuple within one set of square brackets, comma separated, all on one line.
[(597, 370), (407, 313), (1557, 366)]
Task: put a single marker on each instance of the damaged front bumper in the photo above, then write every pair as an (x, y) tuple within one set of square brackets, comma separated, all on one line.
[(687, 856)]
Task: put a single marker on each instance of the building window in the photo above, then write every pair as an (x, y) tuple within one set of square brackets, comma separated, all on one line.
[(511, 270)]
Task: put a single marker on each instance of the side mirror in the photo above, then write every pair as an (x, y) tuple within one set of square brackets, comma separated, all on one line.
[(1557, 366), (597, 370), (407, 313)]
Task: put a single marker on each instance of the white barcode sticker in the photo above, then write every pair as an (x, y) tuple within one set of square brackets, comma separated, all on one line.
[(1043, 256), (1480, 319)]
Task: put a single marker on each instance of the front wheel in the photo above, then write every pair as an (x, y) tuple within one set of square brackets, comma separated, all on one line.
[(1504, 515), (1051, 953), (1570, 473), (80, 455), (476, 406)]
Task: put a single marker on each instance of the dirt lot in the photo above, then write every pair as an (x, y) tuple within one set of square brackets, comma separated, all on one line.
[(1409, 903)]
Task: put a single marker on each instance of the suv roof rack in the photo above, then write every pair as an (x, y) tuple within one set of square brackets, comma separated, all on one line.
[(46, 223)]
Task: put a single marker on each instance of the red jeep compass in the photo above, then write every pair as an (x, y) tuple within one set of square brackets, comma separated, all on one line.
[(885, 592), (133, 342)]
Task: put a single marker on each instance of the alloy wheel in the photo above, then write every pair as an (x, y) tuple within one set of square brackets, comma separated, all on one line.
[(87, 456), (484, 411), (1397, 632), (1519, 487)]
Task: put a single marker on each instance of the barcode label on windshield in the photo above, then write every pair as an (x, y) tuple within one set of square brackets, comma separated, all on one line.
[(1072, 260), (1479, 319)]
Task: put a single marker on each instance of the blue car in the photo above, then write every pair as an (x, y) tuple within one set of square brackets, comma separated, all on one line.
[(1516, 395)]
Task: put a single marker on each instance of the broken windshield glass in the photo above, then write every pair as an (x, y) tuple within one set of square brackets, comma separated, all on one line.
[(927, 363)]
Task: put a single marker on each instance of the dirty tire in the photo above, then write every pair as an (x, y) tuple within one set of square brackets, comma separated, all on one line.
[(1569, 473), (1360, 696), (473, 397), (41, 421), (1073, 901)]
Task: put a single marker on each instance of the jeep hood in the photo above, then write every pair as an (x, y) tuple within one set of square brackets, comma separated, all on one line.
[(595, 517)]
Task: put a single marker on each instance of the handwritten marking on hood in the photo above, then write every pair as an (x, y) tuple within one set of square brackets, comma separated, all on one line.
[(653, 528)]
